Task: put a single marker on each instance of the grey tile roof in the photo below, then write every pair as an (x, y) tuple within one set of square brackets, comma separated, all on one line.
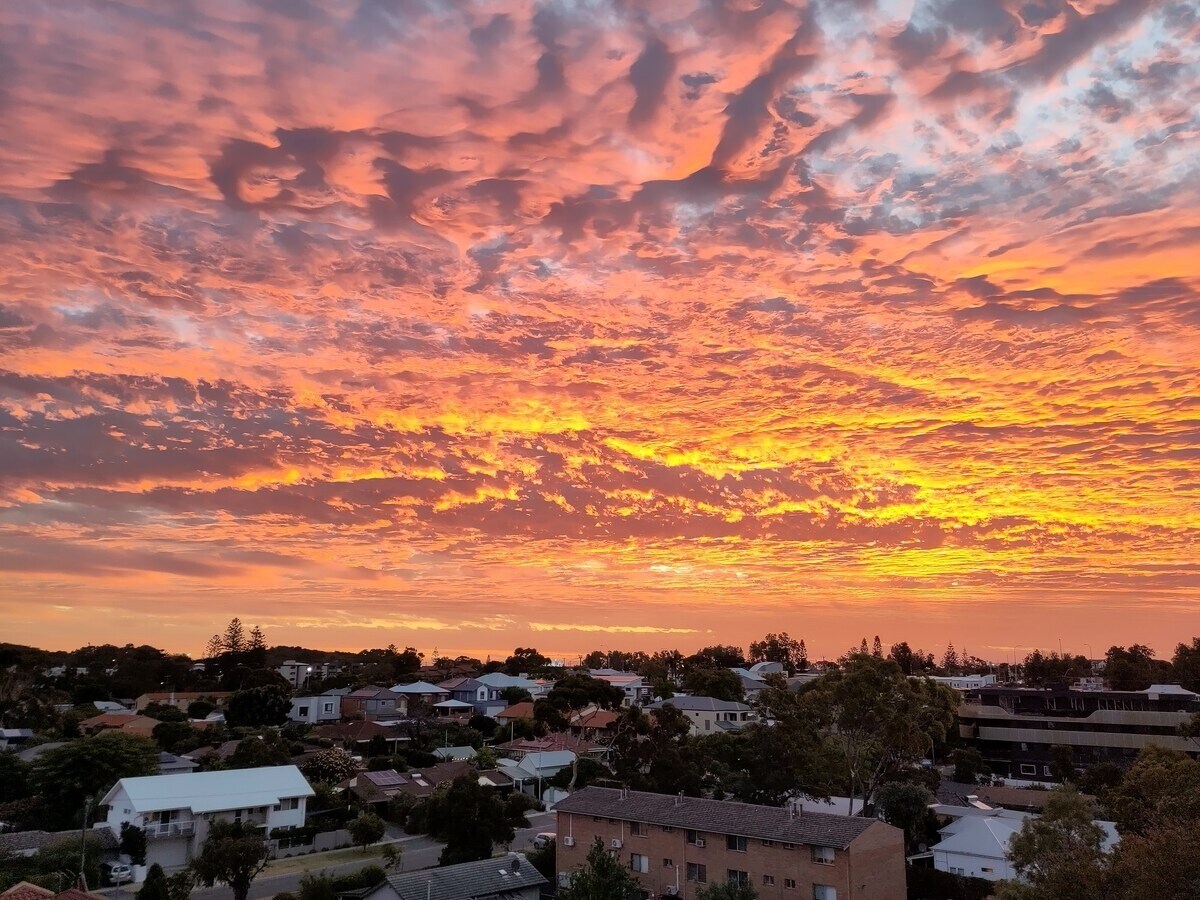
[(704, 704), (466, 881), (769, 823)]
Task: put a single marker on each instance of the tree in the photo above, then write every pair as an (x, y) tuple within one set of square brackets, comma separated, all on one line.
[(258, 750), (601, 877), (133, 844), (1160, 865), (1134, 669), (707, 681), (1160, 786), (969, 765), (68, 775), (393, 857), (234, 638), (545, 860), (1062, 763), (780, 648), (366, 830), (877, 648), (257, 707), (727, 890), (1185, 665), (902, 655), (199, 709), (525, 659), (1059, 854), (717, 656), (880, 722), (15, 778), (469, 818), (655, 753), (331, 766), (214, 648), (906, 806), (575, 691), (156, 886), (513, 695), (235, 853), (950, 660)]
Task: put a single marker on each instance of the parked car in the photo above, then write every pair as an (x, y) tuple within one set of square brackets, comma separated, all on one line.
[(116, 873), (546, 837)]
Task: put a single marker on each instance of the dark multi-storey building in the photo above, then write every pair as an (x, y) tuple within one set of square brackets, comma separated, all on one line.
[(1017, 729), (677, 845)]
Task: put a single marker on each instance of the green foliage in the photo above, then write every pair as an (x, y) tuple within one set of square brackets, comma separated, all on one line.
[(467, 817), (328, 887), (66, 776), (575, 691), (367, 829), (257, 707), (393, 857), (526, 660), (485, 725), (1133, 669), (601, 877), (15, 778), (255, 751), (656, 753), (164, 712), (881, 722), (969, 765), (485, 758), (514, 695), (200, 709), (545, 860), (156, 886), (1185, 665), (709, 681), (906, 806), (780, 648), (1058, 854), (930, 884), (330, 766), (727, 890), (1161, 785), (234, 853), (585, 771), (1159, 865), (133, 844), (716, 657), (176, 737)]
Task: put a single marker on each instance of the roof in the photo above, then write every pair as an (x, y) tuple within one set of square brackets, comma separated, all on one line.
[(500, 681), (459, 684), (1168, 689), (23, 890), (986, 836), (522, 710), (701, 704), (465, 881), (719, 816), (418, 783), (356, 731), (370, 692), (596, 718), (452, 704), (418, 687), (170, 759), (185, 695), (29, 754), (119, 720), (534, 763), (556, 740), (212, 791), (454, 752)]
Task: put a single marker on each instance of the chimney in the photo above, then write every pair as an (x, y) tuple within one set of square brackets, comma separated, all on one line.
[(516, 864)]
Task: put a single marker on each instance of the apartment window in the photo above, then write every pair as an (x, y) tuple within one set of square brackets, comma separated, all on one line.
[(303, 712), (735, 842), (695, 837), (823, 855), (639, 863), (737, 876), (768, 843), (789, 884), (787, 846), (638, 828), (237, 815), (954, 870), (824, 892), (697, 873), (769, 880), (1028, 769), (328, 707), (667, 829), (668, 863)]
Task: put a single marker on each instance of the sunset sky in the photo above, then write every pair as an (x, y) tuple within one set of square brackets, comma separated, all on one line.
[(580, 324)]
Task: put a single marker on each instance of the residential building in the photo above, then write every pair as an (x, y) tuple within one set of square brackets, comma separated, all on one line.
[(676, 845), (1015, 728), (295, 673), (181, 700), (709, 715), (23, 890), (11, 738), (454, 708), (593, 722), (316, 710), (421, 690), (475, 692), (382, 786), (552, 742), (374, 703), (522, 710), (451, 754), (170, 764), (963, 682), (753, 683), (176, 810), (531, 771), (126, 722), (636, 689), (508, 877), (356, 736)]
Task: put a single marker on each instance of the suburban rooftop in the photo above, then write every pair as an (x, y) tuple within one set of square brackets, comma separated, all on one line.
[(718, 816)]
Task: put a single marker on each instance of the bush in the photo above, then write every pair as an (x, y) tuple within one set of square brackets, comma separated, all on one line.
[(930, 884)]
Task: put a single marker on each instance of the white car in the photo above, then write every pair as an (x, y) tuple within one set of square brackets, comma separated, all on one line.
[(116, 872), (546, 837)]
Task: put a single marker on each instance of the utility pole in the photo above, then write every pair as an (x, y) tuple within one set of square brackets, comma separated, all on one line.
[(87, 808)]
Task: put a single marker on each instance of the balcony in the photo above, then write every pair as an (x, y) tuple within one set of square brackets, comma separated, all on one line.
[(161, 830)]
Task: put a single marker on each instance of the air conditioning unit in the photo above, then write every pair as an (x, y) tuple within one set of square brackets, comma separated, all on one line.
[(568, 841), (672, 890), (699, 842), (617, 843)]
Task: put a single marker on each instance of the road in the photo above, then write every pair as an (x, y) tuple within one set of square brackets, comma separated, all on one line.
[(419, 853)]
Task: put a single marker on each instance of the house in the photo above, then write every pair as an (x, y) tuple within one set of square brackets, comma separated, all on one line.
[(110, 706), (295, 673), (170, 764), (752, 685), (454, 753), (475, 692), (963, 682), (508, 877), (374, 703), (522, 710), (593, 722), (315, 710), (454, 708), (126, 722), (677, 845), (381, 786), (1016, 729), (422, 690), (222, 751), (175, 810), (709, 715), (356, 736), (553, 742), (499, 682), (533, 769), (11, 738), (181, 700), (23, 890), (634, 687)]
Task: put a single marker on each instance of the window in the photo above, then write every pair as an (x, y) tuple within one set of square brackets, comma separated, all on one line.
[(824, 892), (735, 842), (986, 869), (695, 837), (789, 883), (823, 855), (637, 828), (667, 829), (954, 870), (1045, 770), (768, 843), (237, 815), (769, 880), (639, 863), (697, 873), (787, 846), (668, 863), (707, 724), (328, 707), (737, 876), (1028, 769), (303, 712)]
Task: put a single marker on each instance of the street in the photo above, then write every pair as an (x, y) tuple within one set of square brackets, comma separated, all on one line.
[(420, 852)]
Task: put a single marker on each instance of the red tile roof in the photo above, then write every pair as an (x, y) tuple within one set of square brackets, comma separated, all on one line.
[(23, 890)]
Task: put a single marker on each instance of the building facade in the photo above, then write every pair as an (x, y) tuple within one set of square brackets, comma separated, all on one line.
[(1016, 729), (316, 710), (709, 715), (677, 845)]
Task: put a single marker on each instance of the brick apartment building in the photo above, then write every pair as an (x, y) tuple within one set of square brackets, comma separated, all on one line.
[(676, 845)]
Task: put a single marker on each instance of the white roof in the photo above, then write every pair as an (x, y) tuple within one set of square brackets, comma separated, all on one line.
[(500, 681), (419, 687), (987, 836), (1168, 689), (452, 704), (203, 792)]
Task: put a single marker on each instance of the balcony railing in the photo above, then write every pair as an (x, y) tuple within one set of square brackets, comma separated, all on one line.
[(170, 829)]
